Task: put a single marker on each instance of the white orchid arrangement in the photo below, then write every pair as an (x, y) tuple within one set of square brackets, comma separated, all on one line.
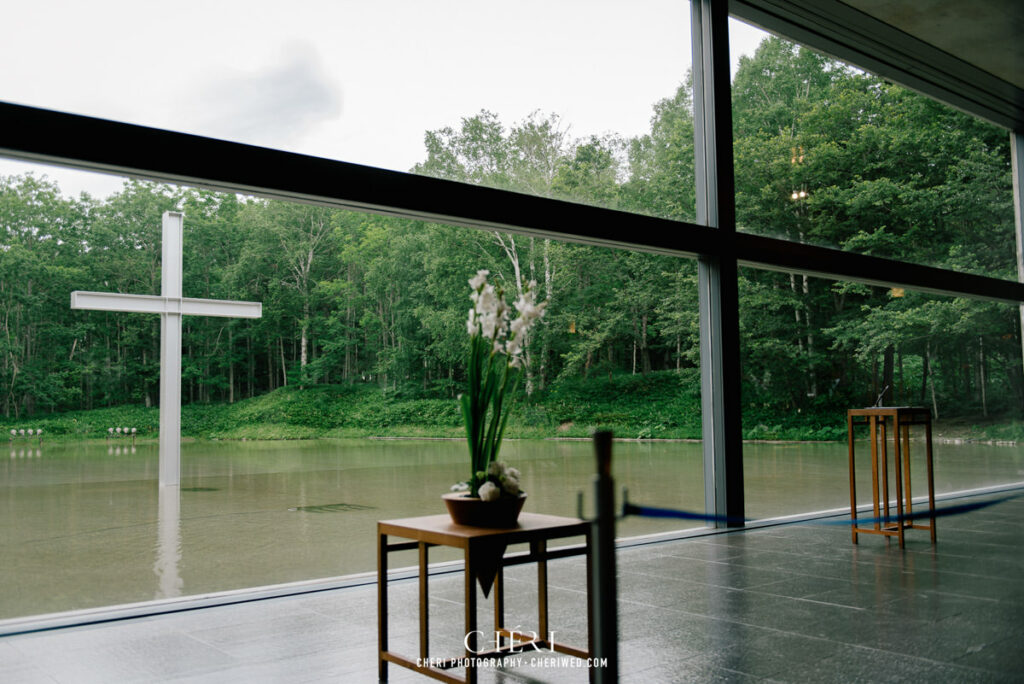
[(497, 342)]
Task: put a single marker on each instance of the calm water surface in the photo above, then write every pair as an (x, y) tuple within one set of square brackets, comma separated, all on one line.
[(87, 525)]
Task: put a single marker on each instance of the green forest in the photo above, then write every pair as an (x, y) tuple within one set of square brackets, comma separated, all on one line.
[(368, 312)]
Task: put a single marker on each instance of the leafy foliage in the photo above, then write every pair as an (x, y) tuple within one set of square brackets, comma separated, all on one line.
[(367, 312)]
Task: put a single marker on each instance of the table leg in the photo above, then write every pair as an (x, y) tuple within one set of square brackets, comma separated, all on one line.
[(424, 604), (885, 467), (541, 550), (899, 483), (382, 606), (472, 646), (853, 509), (906, 474), (499, 605), (590, 596), (931, 479), (874, 469)]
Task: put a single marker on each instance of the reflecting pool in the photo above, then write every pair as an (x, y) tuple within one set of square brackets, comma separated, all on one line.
[(86, 525)]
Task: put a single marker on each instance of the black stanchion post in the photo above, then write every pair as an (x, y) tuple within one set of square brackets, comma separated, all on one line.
[(605, 609)]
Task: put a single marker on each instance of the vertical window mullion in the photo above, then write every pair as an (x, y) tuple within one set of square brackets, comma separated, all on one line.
[(717, 275), (1017, 162)]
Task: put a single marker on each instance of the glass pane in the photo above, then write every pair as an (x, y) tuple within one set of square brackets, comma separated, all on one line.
[(812, 349), (830, 155), (555, 99), (334, 410)]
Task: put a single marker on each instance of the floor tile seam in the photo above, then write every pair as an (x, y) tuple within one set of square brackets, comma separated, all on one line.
[(232, 661), (733, 671), (902, 565), (968, 655), (790, 557), (733, 621), (571, 590), (216, 647), (930, 661), (681, 580), (781, 669), (958, 595), (959, 573), (723, 587), (808, 600), (551, 585), (877, 649), (793, 575), (947, 554)]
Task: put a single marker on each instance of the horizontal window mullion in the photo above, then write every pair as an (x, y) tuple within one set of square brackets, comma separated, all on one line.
[(794, 257), (99, 145), (94, 144)]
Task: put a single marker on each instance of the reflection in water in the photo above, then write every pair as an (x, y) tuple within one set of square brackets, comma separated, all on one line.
[(78, 529), (168, 546), (120, 451)]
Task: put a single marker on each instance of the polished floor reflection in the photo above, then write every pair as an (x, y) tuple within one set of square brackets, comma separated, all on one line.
[(782, 604), (86, 525)]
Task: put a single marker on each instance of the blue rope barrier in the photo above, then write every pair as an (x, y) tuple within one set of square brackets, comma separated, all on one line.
[(921, 513), (654, 512)]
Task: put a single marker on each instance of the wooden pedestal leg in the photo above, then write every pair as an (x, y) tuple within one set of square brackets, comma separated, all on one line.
[(931, 479), (853, 506), (472, 646), (542, 588), (885, 468), (899, 485), (424, 604), (874, 469), (499, 606), (908, 497), (382, 606), (590, 594)]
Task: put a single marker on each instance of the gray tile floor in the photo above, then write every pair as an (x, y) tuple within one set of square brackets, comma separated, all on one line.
[(787, 604)]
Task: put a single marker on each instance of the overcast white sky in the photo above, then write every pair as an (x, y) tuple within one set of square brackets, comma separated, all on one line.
[(359, 81)]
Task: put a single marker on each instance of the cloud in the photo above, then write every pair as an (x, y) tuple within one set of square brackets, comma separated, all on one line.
[(276, 106)]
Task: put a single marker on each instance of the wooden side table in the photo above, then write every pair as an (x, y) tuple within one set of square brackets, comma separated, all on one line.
[(484, 551), (877, 419)]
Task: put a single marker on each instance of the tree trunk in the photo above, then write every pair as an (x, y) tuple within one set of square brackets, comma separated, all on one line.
[(924, 377), (284, 363), (931, 383), (645, 352), (903, 385), (981, 369), (810, 338), (545, 339), (887, 376), (252, 362), (796, 313), (874, 378), (231, 366)]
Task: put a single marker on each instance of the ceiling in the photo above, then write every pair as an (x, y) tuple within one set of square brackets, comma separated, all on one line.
[(988, 34), (966, 53)]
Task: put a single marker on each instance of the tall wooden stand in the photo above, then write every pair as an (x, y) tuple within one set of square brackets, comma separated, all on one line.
[(877, 419)]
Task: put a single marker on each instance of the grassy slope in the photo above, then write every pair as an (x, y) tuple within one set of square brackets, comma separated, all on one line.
[(660, 405)]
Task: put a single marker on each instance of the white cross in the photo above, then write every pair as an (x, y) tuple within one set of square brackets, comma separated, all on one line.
[(171, 306)]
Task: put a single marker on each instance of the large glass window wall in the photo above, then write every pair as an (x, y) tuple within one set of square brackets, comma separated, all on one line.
[(335, 409), (631, 169), (813, 348), (830, 155)]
